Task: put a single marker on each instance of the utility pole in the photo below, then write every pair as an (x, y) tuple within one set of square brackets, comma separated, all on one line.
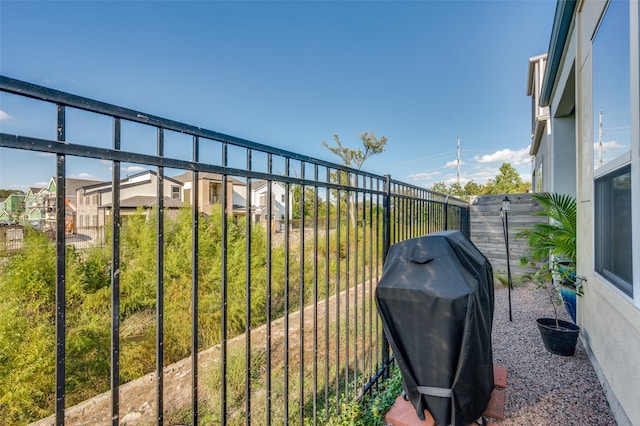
[(458, 179), (600, 140)]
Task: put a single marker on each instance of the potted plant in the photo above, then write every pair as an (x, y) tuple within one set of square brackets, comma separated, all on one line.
[(552, 249), (559, 336)]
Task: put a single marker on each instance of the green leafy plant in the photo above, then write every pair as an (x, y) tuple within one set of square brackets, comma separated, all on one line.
[(558, 237), (552, 245), (371, 409)]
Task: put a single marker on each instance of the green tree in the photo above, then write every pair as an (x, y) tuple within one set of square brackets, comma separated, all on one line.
[(440, 187), (507, 182), (472, 188), (4, 193), (309, 200), (455, 189)]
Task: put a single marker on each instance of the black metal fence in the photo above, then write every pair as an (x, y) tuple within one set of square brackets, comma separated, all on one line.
[(278, 293)]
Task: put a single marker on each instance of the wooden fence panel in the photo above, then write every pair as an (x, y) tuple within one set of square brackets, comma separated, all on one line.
[(487, 231)]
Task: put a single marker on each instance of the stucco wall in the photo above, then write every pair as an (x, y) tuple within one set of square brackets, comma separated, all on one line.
[(609, 319)]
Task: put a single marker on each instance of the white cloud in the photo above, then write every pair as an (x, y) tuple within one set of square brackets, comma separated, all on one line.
[(4, 116), (454, 179), (608, 146), (85, 176), (481, 175), (515, 158), (133, 169), (423, 176), (453, 163)]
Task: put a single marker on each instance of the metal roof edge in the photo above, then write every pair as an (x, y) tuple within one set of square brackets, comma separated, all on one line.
[(559, 33)]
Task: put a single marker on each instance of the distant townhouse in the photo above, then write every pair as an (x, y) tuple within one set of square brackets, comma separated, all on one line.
[(209, 192), (38, 211), (260, 196), (94, 202), (71, 201), (11, 208)]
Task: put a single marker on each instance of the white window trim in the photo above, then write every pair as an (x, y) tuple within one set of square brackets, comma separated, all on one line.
[(635, 143), (632, 156), (608, 167)]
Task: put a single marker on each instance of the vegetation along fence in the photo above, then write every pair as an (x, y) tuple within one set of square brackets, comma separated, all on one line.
[(231, 282)]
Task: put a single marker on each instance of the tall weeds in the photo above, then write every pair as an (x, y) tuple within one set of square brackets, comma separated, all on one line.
[(27, 302)]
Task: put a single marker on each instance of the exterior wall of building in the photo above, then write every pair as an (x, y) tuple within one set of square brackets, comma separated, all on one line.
[(609, 318), (562, 145), (563, 171), (540, 126), (210, 193), (13, 205), (91, 200), (239, 195), (278, 197), (540, 178), (88, 201)]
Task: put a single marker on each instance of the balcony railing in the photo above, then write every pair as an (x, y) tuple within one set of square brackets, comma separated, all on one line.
[(308, 331)]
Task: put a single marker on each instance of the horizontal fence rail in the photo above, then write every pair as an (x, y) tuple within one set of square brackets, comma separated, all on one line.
[(224, 282)]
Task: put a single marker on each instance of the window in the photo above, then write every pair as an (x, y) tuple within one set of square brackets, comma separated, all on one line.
[(613, 228), (538, 178), (612, 147), (175, 192), (213, 193), (611, 84)]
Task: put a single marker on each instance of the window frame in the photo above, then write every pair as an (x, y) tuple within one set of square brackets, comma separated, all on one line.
[(612, 167), (603, 228)]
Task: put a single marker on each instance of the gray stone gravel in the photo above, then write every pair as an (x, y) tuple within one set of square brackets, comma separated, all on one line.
[(543, 389)]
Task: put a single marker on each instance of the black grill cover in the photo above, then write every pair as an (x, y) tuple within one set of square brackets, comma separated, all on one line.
[(436, 301)]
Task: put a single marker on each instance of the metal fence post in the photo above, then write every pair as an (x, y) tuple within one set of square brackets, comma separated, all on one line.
[(446, 213), (467, 221), (61, 292), (386, 243)]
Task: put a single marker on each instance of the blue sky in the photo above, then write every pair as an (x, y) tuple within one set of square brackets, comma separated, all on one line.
[(287, 74)]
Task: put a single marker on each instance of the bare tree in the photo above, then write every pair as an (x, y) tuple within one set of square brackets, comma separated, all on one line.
[(355, 158)]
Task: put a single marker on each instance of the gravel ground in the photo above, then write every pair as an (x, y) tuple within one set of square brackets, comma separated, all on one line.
[(542, 388)]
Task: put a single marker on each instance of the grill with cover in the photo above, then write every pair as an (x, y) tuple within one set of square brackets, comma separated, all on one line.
[(436, 301)]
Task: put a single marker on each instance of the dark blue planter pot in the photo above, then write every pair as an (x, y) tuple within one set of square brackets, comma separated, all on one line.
[(568, 293), (559, 341)]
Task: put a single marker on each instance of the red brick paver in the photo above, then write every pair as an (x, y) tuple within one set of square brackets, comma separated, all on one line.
[(499, 376), (402, 412)]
